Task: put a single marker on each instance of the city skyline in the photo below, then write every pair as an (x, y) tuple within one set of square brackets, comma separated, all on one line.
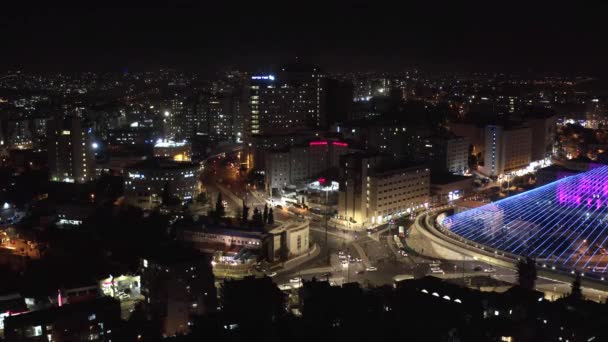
[(303, 171)]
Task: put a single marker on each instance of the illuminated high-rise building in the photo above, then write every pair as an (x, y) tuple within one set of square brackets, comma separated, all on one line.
[(506, 149), (70, 150), (293, 99)]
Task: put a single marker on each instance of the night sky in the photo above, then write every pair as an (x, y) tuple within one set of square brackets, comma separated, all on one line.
[(338, 35)]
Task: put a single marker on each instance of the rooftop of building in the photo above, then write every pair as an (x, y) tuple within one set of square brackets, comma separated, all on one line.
[(172, 253), (69, 310), (228, 231), (170, 143), (386, 168), (162, 164), (290, 226)]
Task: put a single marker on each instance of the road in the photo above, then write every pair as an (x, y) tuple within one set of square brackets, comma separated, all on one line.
[(376, 250), (554, 285)]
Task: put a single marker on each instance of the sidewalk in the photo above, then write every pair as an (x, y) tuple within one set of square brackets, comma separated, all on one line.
[(299, 260), (228, 193)]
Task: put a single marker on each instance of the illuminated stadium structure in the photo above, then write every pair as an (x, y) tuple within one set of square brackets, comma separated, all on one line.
[(563, 224)]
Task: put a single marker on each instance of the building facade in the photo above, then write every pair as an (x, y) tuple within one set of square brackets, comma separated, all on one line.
[(177, 151), (506, 149), (446, 153), (96, 320), (70, 150), (176, 286), (289, 240), (146, 181), (301, 163), (371, 193), (543, 136), (293, 99)]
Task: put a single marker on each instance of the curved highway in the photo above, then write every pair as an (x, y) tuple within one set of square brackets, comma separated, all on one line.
[(426, 225)]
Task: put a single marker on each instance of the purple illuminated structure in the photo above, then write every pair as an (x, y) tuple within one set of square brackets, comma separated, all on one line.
[(563, 224)]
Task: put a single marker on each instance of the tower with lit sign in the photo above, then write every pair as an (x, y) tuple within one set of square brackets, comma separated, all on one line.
[(292, 100)]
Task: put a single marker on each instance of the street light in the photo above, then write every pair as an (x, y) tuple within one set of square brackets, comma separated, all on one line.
[(326, 223)]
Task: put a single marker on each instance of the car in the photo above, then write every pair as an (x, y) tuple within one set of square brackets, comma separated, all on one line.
[(360, 272), (371, 269), (271, 274), (358, 260), (341, 256), (477, 269), (278, 206), (295, 280), (489, 270), (326, 275)]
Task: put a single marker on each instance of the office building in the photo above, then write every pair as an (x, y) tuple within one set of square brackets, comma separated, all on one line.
[(174, 110), (175, 150), (177, 283), (372, 191), (543, 136), (132, 135), (399, 140), (300, 164), (70, 150), (507, 149), (146, 181), (474, 132), (293, 99), (216, 116), (446, 188), (93, 320), (445, 153), (283, 242)]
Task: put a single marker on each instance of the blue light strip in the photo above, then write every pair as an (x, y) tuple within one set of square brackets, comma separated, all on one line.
[(553, 222)]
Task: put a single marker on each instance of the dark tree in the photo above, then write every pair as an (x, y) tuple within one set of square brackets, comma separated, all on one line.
[(166, 194), (526, 273), (202, 198), (253, 303), (220, 211), (245, 214), (265, 214), (577, 291), (257, 217), (270, 216)]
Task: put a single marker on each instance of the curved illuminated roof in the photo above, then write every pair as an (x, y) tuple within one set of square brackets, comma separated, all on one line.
[(563, 224)]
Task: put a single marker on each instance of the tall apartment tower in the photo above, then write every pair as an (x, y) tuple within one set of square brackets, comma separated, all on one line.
[(506, 149), (293, 99), (70, 150)]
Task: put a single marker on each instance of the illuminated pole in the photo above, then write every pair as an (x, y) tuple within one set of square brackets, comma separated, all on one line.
[(59, 298), (326, 222)]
